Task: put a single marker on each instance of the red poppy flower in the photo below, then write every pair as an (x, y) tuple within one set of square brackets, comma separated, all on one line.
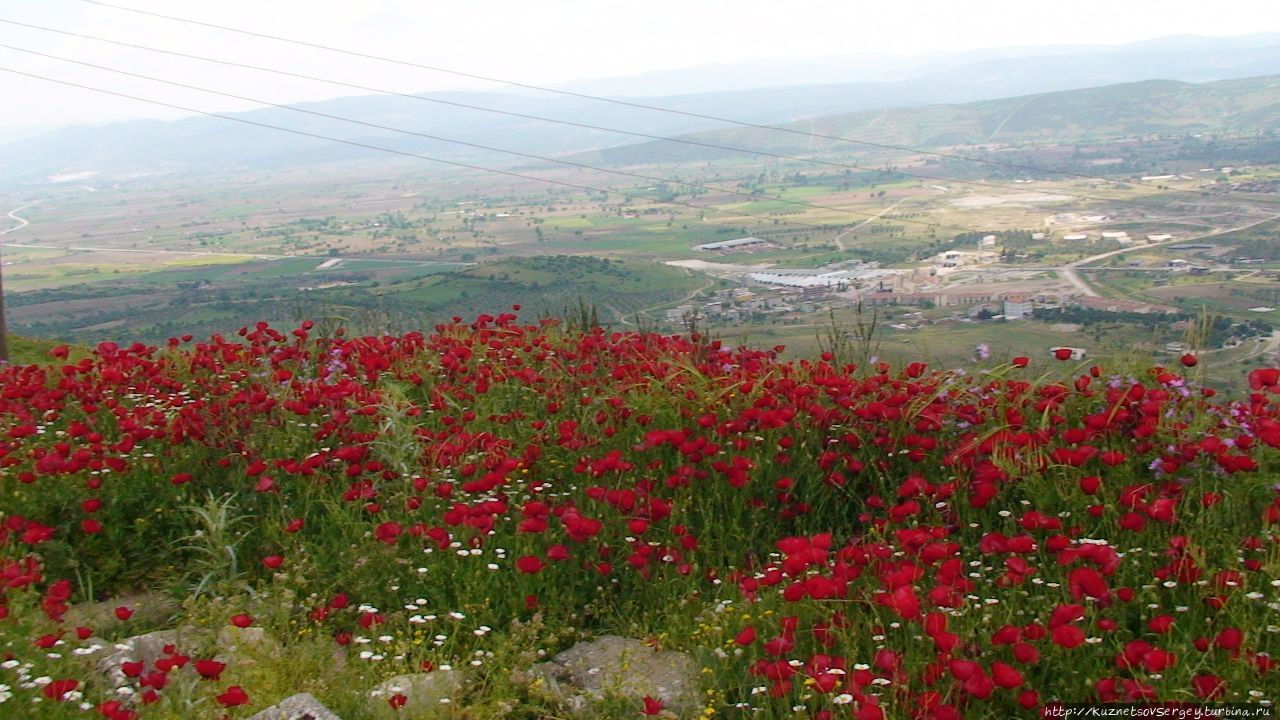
[(59, 689), (1229, 639), (173, 661), (235, 695), (1026, 653), (1006, 676), (242, 620), (652, 706), (1264, 378), (209, 669), (779, 645), (1067, 636), (1209, 687), (1064, 614), (45, 642), (388, 532), (964, 669), (530, 564), (156, 680), (1087, 582), (124, 613)]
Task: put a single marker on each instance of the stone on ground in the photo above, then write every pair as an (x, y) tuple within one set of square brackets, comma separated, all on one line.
[(423, 692), (242, 645), (146, 648), (623, 667), (150, 609), (303, 706)]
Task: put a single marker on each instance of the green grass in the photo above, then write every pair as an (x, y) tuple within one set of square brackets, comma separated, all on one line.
[(546, 284), (35, 351), (672, 479), (952, 344)]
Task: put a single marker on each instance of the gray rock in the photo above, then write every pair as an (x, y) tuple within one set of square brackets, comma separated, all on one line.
[(242, 645), (146, 648), (303, 706), (150, 610), (625, 667), (423, 691)]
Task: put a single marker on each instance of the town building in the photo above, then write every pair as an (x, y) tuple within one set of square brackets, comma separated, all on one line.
[(738, 244), (1076, 353), (1017, 310)]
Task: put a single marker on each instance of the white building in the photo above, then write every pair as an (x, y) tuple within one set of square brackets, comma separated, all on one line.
[(679, 314), (1076, 353), (800, 281), (731, 244), (960, 258), (1017, 310)]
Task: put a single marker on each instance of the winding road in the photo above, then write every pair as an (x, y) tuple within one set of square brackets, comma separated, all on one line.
[(1068, 272), (839, 239), (623, 318), (21, 221)]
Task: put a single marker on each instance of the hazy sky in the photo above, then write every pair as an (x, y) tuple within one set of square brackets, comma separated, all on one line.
[(542, 42)]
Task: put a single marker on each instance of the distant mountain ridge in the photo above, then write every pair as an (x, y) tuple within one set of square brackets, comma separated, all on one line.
[(1180, 57), (1114, 111), (201, 143)]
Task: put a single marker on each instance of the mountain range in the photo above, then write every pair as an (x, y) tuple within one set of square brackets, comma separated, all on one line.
[(963, 85)]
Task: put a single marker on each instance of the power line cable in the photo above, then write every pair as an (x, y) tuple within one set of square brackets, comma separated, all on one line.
[(584, 95), (532, 156), (542, 118), (404, 153), (587, 96)]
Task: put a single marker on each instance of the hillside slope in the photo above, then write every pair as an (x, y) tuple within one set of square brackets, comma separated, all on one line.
[(769, 91), (1116, 111)]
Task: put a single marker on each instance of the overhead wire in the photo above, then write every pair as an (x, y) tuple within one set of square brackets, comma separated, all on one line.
[(405, 153), (586, 96), (573, 123), (533, 156)]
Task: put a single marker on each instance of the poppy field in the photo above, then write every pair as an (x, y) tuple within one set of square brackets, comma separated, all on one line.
[(823, 539)]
